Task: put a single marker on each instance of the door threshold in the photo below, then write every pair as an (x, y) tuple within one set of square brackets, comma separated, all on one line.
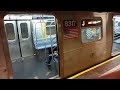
[(115, 53), (55, 77)]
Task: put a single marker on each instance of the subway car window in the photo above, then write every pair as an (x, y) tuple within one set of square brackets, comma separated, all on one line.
[(50, 23), (10, 31), (24, 30), (91, 29), (50, 30)]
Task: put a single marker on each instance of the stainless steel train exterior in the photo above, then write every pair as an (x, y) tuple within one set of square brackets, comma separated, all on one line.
[(84, 40)]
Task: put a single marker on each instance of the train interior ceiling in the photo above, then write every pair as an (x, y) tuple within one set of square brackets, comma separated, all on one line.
[(33, 45), (116, 35)]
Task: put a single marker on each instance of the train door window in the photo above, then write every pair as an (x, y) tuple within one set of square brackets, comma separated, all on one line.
[(91, 29), (24, 30), (116, 35), (10, 31)]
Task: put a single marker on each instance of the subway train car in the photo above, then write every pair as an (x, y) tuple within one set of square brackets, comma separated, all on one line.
[(72, 41)]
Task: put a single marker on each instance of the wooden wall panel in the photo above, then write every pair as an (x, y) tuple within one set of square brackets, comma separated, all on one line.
[(6, 68)]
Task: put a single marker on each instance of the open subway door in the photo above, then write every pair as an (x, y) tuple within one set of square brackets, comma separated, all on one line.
[(26, 35)]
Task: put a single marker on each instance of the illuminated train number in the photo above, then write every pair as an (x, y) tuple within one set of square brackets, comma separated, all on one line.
[(70, 23)]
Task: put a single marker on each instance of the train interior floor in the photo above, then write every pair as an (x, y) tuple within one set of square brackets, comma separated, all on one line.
[(34, 67)]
